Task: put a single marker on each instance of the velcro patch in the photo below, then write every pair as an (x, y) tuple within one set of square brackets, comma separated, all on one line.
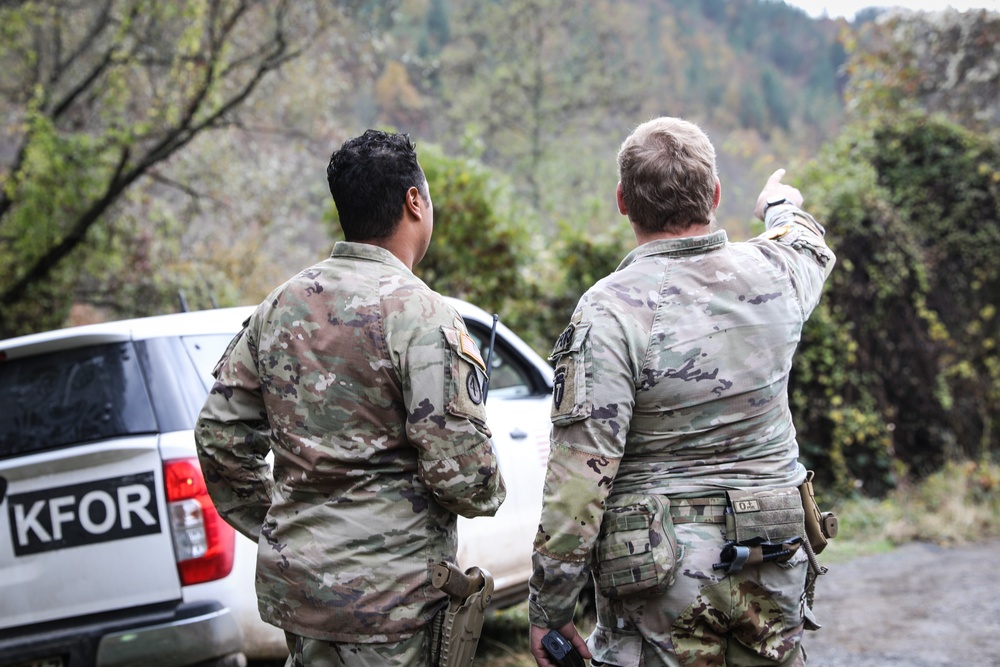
[(470, 348), (746, 505), (776, 232), (565, 341)]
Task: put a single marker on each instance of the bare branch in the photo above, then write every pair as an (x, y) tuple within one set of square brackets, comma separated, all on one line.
[(186, 189), (43, 266), (272, 55), (97, 26), (58, 71), (100, 68)]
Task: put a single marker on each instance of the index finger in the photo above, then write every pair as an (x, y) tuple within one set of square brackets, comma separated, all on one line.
[(776, 177)]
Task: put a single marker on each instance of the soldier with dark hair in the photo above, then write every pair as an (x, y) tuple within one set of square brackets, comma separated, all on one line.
[(369, 179), (673, 472), (367, 389)]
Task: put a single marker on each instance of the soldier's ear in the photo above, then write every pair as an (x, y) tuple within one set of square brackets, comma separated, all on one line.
[(620, 198), (414, 206)]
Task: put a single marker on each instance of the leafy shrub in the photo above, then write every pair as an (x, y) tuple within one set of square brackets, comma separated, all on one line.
[(898, 370)]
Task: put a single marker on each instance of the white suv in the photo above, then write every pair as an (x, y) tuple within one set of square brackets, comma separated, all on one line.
[(111, 552)]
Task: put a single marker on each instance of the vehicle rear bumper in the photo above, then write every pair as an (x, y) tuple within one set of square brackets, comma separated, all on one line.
[(157, 636)]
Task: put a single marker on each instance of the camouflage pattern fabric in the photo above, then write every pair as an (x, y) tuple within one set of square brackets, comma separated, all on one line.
[(708, 619), (671, 379), (411, 652), (367, 389)]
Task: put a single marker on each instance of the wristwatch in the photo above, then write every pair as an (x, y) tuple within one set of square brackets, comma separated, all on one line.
[(776, 201)]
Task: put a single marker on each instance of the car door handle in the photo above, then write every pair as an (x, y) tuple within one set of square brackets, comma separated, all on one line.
[(518, 434)]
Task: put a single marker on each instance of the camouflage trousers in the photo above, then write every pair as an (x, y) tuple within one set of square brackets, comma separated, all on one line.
[(707, 618), (306, 652)]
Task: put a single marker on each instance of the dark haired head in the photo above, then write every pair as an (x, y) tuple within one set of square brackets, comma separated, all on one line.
[(369, 177)]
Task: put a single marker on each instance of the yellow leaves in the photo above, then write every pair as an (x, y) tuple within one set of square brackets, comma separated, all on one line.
[(986, 169), (393, 88), (935, 327), (858, 433)]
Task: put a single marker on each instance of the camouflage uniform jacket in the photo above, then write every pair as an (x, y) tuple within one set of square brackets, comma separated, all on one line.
[(672, 379), (365, 385)]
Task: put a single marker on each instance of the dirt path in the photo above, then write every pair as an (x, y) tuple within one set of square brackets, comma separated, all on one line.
[(920, 606)]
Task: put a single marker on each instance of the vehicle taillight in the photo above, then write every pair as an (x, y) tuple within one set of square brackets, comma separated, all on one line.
[(203, 542)]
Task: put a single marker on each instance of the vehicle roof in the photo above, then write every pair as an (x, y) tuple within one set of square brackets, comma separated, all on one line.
[(218, 321)]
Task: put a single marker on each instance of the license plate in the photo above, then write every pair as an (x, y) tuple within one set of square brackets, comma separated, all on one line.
[(81, 514)]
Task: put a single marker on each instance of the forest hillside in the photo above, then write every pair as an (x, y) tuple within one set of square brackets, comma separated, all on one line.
[(155, 156)]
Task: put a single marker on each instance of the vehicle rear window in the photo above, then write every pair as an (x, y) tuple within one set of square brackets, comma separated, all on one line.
[(61, 398)]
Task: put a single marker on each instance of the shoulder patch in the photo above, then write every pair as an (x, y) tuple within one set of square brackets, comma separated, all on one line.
[(776, 232), (470, 348), (565, 340)]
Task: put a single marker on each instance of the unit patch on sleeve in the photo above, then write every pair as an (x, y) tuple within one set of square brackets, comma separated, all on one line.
[(474, 385), (564, 342)]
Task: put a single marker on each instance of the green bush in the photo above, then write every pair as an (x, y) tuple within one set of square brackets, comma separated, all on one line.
[(898, 369)]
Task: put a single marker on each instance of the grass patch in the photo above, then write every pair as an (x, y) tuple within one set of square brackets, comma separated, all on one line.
[(959, 504)]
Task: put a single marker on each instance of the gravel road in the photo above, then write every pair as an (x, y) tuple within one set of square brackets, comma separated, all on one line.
[(921, 605)]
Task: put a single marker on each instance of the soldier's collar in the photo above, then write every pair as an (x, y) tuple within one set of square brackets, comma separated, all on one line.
[(689, 245), (366, 251)]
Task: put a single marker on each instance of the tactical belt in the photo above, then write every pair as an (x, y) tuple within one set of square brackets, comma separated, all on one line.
[(758, 547), (713, 509)]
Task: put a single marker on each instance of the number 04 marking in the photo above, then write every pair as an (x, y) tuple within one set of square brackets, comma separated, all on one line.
[(750, 505)]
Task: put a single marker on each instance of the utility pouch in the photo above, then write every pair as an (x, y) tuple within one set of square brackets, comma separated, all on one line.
[(761, 527), (772, 516), (636, 552), (821, 527)]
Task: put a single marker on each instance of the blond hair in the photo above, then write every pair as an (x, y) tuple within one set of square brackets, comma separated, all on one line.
[(668, 173)]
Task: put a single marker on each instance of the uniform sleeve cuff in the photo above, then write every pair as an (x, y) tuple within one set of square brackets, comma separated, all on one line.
[(786, 214)]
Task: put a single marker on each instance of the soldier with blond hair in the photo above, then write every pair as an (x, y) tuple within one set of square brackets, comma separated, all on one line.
[(673, 473)]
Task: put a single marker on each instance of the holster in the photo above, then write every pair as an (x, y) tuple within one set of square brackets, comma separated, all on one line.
[(821, 527), (456, 629)]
